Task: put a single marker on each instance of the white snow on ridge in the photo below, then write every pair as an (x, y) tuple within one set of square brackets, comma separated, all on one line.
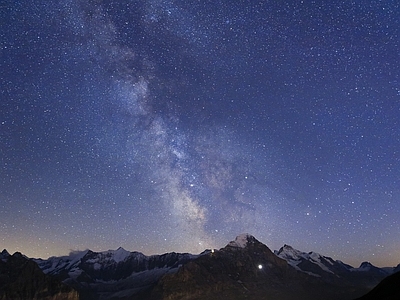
[(74, 273), (289, 253), (240, 241), (111, 255), (316, 258), (63, 262), (294, 257), (119, 255)]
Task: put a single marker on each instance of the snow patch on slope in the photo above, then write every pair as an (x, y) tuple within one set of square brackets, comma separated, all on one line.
[(53, 264), (295, 257), (316, 258), (118, 255), (240, 241)]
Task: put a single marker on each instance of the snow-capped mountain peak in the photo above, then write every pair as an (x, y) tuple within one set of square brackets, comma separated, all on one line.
[(118, 255), (288, 252), (298, 259), (242, 240)]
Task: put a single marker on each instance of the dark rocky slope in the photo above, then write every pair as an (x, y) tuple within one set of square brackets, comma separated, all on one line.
[(387, 289), (21, 278)]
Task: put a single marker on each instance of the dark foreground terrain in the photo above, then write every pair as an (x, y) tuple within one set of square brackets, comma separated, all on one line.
[(388, 289), (21, 278)]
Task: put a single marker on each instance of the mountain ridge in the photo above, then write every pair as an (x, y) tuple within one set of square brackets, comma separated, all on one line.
[(121, 274)]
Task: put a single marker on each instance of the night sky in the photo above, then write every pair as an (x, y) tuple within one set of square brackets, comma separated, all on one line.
[(161, 125)]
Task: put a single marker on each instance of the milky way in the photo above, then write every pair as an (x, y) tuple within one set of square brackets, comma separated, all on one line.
[(177, 125)]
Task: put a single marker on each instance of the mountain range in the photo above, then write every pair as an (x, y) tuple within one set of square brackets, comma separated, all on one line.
[(244, 269)]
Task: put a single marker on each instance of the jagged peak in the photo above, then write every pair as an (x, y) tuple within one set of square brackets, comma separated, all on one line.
[(119, 250), (286, 247), (242, 240), (4, 255), (316, 256), (366, 264), (288, 252), (120, 254), (116, 255), (77, 253)]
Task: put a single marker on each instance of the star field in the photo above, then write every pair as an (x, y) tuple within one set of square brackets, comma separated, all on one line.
[(177, 125)]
